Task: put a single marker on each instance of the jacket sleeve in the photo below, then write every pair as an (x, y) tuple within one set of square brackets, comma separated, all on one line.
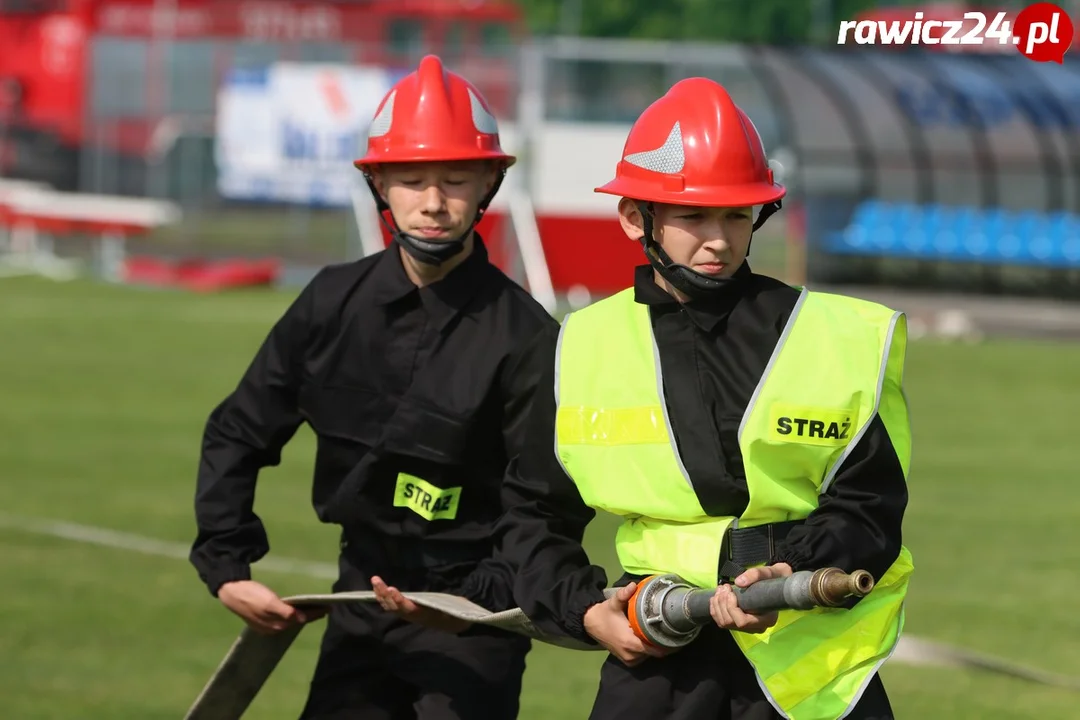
[(244, 433), (490, 585), (544, 520), (857, 524)]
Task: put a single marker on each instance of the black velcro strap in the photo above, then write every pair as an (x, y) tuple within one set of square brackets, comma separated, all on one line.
[(766, 212), (748, 546), (729, 571)]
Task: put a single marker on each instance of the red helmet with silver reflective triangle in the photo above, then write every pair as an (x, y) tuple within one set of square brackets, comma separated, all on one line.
[(433, 115), (695, 146)]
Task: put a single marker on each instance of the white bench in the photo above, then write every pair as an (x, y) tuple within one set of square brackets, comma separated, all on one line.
[(32, 213)]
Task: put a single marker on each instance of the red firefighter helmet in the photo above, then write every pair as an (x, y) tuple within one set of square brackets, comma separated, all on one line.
[(695, 146), (433, 115)]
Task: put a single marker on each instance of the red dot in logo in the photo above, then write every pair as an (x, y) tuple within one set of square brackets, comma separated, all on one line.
[(1044, 32)]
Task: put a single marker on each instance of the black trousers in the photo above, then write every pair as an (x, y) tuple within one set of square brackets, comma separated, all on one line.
[(709, 679), (374, 666)]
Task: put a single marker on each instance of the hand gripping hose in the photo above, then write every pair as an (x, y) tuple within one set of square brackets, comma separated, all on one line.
[(668, 612)]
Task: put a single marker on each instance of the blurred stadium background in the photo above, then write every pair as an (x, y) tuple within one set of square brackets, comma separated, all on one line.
[(172, 171)]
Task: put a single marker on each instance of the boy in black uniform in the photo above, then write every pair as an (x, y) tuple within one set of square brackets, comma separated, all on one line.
[(405, 365)]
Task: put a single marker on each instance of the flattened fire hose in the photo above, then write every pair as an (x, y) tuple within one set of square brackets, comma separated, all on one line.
[(664, 610)]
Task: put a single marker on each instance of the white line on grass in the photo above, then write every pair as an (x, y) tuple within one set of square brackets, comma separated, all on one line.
[(150, 546)]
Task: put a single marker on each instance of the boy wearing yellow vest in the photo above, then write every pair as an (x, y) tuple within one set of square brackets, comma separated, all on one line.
[(742, 428)]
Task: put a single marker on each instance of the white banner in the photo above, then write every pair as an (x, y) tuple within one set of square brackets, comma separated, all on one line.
[(290, 132)]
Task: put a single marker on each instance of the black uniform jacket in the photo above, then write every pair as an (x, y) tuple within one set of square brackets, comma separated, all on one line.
[(393, 380), (713, 355)]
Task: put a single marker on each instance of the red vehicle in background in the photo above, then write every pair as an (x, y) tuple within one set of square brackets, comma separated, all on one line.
[(106, 72)]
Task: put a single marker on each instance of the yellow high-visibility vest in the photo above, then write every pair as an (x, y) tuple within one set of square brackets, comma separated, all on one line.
[(838, 363)]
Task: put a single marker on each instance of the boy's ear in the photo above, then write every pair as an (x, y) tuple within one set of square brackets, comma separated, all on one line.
[(633, 224), (491, 175), (378, 180)]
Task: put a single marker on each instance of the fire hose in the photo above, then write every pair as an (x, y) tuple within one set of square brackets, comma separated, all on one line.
[(664, 610), (668, 612)]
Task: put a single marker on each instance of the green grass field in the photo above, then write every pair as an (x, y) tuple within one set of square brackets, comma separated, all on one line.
[(104, 391)]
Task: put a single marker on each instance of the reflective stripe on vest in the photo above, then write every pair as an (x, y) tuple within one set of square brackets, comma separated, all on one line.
[(838, 363)]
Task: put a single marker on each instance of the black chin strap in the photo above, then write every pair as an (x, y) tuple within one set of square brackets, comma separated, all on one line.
[(683, 278), (427, 251)]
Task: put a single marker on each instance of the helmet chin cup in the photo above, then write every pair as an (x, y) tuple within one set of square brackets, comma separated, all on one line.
[(428, 252), (684, 279), (693, 284)]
